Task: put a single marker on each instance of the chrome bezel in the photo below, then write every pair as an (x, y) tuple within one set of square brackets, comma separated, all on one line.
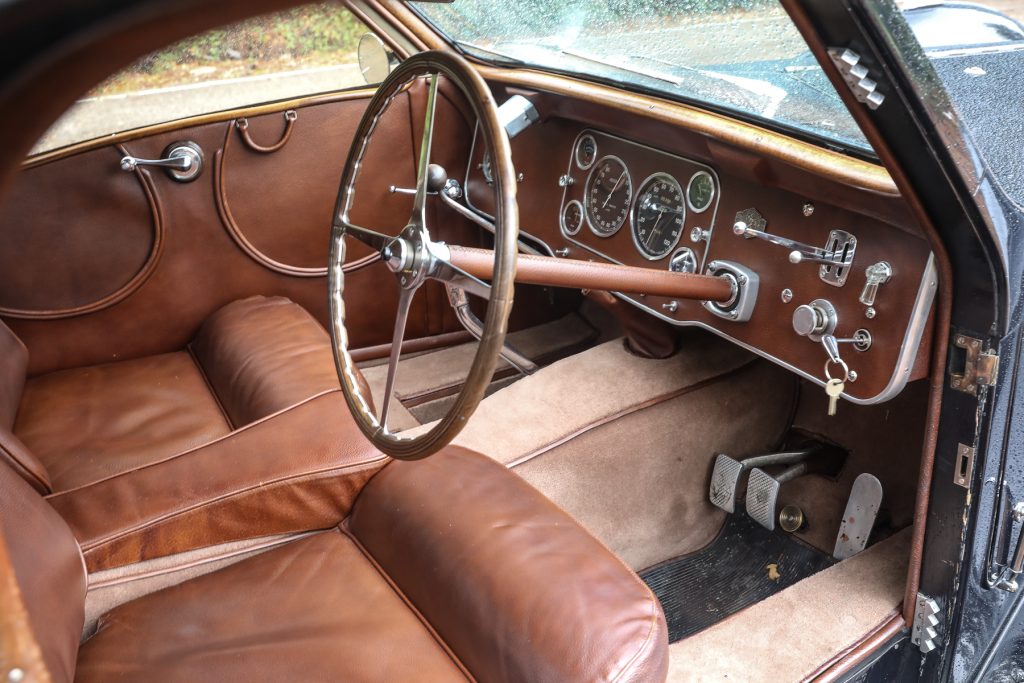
[(576, 151), (711, 199), (586, 195), (583, 217), (636, 208)]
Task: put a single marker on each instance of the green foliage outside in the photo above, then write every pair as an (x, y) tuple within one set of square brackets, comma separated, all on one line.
[(304, 37)]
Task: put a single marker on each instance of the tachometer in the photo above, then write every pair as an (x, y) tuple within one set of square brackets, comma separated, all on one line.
[(608, 196), (572, 217), (658, 217)]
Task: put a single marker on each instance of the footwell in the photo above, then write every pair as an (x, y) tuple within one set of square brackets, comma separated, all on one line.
[(745, 564)]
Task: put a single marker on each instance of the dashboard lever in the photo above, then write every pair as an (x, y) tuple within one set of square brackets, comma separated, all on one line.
[(800, 252)]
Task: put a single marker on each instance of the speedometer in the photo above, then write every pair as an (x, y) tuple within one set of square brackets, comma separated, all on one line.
[(608, 196), (658, 217)]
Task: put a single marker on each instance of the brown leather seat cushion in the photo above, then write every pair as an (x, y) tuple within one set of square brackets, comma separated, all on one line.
[(251, 358), (448, 568), (90, 423)]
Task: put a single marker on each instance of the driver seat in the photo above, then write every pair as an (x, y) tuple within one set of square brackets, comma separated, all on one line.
[(450, 568)]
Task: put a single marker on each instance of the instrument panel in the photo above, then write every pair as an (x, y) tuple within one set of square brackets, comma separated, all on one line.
[(811, 263), (621, 198)]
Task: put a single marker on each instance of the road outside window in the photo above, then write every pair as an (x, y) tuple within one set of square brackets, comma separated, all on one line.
[(303, 51)]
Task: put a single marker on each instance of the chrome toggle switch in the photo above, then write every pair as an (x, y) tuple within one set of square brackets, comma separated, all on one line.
[(877, 274)]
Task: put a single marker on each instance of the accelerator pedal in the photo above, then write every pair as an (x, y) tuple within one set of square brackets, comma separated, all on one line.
[(859, 517)]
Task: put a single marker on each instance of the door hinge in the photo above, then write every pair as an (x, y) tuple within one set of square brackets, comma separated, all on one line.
[(980, 367), (857, 77), (927, 620)]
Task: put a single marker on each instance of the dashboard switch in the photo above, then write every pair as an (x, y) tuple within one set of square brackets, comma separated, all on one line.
[(815, 319), (877, 274)]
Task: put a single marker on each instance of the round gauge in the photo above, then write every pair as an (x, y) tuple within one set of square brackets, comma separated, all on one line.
[(658, 216), (608, 196), (487, 168), (700, 191), (586, 151), (572, 217)]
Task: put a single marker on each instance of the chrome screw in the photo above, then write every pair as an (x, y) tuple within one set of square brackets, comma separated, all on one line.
[(870, 312), (808, 209), (787, 295), (671, 306)]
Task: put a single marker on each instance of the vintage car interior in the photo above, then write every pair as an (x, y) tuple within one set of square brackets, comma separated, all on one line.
[(479, 371)]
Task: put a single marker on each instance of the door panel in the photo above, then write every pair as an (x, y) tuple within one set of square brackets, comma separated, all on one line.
[(280, 203)]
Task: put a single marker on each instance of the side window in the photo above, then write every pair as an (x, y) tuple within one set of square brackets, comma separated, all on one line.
[(311, 49)]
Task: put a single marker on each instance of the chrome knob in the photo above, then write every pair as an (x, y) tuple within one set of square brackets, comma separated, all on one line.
[(814, 319)]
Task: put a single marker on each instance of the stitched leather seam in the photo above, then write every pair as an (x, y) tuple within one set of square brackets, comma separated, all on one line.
[(200, 447), (209, 385), (344, 529), (625, 412), (644, 646), (255, 548), (24, 471), (313, 474)]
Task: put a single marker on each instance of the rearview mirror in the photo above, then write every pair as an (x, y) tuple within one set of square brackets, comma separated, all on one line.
[(375, 60)]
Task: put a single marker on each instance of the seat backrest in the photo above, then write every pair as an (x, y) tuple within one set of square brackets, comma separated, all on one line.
[(13, 453), (513, 586), (49, 571)]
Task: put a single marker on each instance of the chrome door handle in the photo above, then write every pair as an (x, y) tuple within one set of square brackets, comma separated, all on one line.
[(183, 161)]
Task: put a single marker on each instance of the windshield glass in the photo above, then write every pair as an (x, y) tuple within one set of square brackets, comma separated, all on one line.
[(740, 55)]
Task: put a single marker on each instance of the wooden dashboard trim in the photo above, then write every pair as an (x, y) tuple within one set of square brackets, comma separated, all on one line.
[(812, 158)]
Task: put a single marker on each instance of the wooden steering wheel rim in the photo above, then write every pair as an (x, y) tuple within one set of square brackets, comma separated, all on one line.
[(479, 96)]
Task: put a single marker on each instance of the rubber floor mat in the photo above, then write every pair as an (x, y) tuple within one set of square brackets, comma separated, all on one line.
[(745, 564)]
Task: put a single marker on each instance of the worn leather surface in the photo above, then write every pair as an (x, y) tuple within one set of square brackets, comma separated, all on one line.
[(298, 470), (13, 365), (448, 566), (48, 567), (91, 232), (508, 580), (313, 610), (95, 422), (263, 354)]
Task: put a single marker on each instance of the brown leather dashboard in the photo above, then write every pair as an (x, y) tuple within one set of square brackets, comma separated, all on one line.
[(597, 186)]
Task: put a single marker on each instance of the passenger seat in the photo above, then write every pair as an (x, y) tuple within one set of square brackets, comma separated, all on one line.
[(71, 428)]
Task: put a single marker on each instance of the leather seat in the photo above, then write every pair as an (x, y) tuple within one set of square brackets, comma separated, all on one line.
[(250, 359), (448, 569)]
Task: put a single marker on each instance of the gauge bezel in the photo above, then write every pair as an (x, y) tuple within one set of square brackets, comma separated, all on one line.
[(660, 175), (583, 217), (586, 195), (576, 151), (711, 198)]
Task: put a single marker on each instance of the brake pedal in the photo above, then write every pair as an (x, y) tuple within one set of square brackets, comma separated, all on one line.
[(726, 475), (859, 517), (763, 493)]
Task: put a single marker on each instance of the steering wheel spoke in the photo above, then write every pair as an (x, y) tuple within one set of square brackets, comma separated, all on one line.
[(445, 271), (370, 238), (404, 303), (422, 174)]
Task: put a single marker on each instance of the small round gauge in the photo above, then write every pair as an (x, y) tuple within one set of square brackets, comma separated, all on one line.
[(700, 191), (487, 168), (608, 196), (572, 217), (658, 216), (586, 151)]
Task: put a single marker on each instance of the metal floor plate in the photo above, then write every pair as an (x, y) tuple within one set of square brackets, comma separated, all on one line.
[(745, 564)]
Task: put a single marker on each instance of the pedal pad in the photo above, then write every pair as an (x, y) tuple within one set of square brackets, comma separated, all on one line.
[(859, 517), (762, 495), (725, 480)]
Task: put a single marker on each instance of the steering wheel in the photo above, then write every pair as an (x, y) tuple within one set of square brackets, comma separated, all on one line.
[(413, 257)]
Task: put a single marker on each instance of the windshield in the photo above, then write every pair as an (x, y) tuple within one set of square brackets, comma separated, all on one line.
[(741, 55)]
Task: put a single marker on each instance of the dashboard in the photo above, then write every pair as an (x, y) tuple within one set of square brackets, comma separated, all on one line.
[(811, 261)]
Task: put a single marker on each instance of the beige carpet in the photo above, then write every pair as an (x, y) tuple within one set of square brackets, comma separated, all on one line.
[(625, 444), (437, 373), (788, 636)]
